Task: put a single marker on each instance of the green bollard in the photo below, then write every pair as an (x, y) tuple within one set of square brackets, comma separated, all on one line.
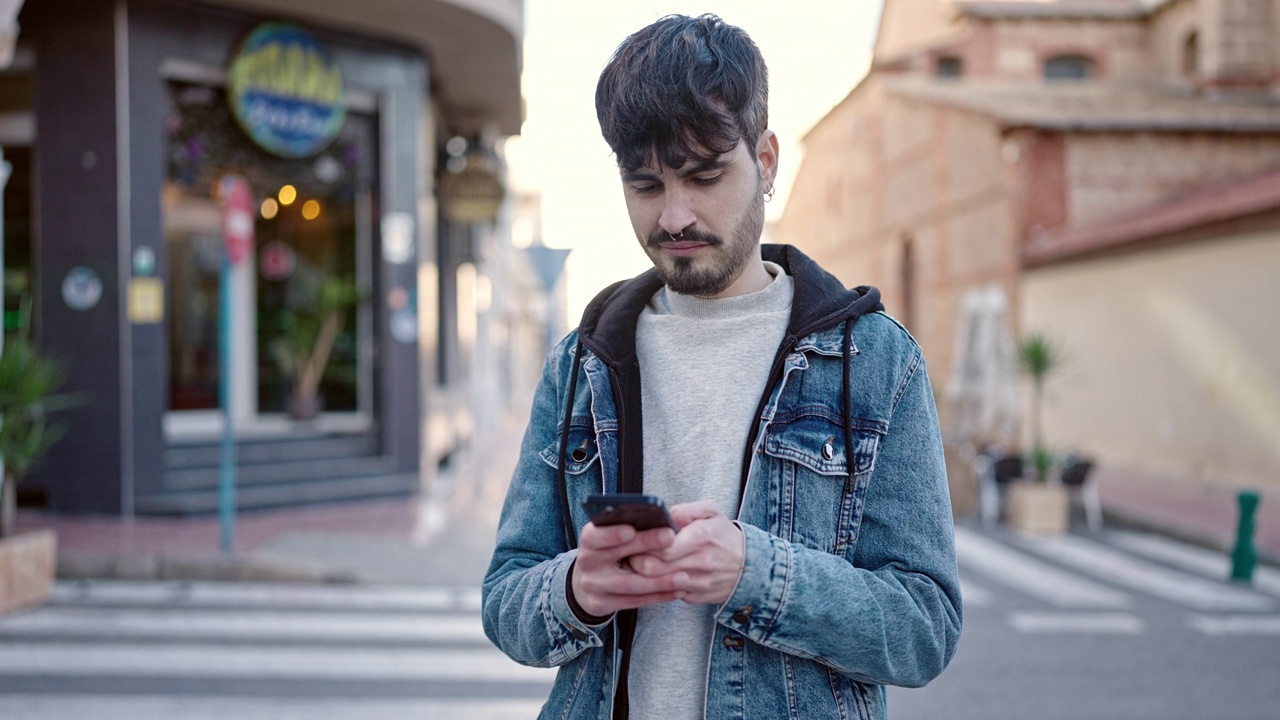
[(1244, 557)]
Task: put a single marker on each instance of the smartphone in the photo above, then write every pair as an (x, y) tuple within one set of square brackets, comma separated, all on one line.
[(642, 512)]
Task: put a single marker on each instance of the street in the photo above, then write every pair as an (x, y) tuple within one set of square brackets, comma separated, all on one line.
[(1121, 625)]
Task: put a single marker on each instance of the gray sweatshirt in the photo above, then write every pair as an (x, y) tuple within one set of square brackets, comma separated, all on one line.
[(703, 367)]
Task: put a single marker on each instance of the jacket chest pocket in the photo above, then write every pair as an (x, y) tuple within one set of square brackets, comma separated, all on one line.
[(582, 467), (818, 502)]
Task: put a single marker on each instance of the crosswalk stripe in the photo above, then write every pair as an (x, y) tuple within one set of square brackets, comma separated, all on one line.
[(264, 626), (212, 594), (1121, 569), (198, 707), (1253, 625), (1033, 577), (220, 661), (1109, 623), (1189, 557), (972, 595)]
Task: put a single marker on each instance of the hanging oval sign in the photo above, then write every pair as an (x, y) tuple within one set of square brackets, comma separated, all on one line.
[(285, 89)]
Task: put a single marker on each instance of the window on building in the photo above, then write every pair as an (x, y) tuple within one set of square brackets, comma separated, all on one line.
[(948, 66), (1191, 55), (908, 280), (1068, 67)]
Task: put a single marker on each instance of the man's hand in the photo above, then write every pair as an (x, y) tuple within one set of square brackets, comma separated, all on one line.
[(707, 548), (604, 583)]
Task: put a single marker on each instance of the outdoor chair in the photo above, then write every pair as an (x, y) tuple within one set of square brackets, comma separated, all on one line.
[(1075, 475), (994, 469)]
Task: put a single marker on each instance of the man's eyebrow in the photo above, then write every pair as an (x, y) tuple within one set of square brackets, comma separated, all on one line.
[(640, 175), (696, 168), (705, 166)]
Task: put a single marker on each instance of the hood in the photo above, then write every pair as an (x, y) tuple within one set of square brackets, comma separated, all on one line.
[(821, 301)]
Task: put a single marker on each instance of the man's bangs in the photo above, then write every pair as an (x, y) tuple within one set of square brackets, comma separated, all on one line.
[(672, 145)]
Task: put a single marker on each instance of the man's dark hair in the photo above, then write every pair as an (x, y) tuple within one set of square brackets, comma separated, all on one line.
[(683, 88)]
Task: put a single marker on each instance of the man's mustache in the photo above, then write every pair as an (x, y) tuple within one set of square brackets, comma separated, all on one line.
[(689, 235)]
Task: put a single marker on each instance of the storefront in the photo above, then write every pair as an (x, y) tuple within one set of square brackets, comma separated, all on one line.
[(143, 135)]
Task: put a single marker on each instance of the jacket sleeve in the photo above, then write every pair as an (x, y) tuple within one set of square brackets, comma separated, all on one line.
[(893, 615), (525, 611)]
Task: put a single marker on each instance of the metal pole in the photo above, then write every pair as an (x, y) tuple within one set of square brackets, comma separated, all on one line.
[(227, 474)]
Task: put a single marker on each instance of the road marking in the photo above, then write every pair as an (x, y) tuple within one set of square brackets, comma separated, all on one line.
[(201, 707), (192, 660), (264, 626), (971, 595), (1122, 569), (1189, 557), (1237, 624), (1078, 623), (316, 597), (1033, 577)]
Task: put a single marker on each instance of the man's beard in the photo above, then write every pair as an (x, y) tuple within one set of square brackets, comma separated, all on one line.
[(726, 261)]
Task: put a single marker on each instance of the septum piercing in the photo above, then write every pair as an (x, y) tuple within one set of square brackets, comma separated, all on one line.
[(677, 235)]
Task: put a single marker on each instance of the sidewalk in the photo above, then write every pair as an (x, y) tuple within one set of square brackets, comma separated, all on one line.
[(446, 535), (443, 536)]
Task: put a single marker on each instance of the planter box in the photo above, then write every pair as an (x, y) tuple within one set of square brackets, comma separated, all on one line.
[(27, 563), (1038, 508)]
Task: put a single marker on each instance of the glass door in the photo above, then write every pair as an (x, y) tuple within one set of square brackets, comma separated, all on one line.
[(313, 234)]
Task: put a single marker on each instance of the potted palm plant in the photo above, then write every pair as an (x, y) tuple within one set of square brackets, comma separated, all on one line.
[(1039, 504), (28, 395), (310, 330)]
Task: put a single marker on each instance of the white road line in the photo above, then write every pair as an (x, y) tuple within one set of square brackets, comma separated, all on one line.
[(189, 660), (1194, 559), (971, 595), (1126, 570), (1237, 624), (1076, 623), (1034, 577), (317, 597), (198, 707), (264, 626)]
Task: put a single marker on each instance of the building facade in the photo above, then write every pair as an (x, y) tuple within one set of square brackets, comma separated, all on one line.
[(356, 144), (988, 134)]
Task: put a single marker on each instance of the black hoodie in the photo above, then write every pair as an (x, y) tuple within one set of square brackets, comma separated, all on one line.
[(608, 329)]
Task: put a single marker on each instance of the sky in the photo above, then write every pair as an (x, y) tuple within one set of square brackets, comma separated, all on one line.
[(816, 50)]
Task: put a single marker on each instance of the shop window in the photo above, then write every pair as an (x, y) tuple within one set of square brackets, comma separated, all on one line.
[(1068, 67), (313, 216), (1191, 55), (948, 66)]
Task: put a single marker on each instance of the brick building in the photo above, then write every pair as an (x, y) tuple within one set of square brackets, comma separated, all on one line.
[(1111, 165)]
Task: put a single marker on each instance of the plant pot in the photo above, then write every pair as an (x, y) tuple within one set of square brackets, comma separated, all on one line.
[(1038, 508), (304, 407), (27, 564)]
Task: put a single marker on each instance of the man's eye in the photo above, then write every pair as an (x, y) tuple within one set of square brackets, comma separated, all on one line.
[(644, 189), (707, 179)]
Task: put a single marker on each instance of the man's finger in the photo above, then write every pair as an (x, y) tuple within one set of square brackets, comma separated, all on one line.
[(686, 513), (605, 537)]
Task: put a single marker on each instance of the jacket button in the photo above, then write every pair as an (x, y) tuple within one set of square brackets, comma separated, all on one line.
[(828, 450), (579, 455), (733, 642), (743, 616), (578, 634)]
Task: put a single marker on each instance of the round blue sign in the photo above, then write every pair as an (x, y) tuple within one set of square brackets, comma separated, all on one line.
[(285, 89)]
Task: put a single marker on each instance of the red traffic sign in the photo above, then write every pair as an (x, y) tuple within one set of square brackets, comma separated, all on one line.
[(237, 218)]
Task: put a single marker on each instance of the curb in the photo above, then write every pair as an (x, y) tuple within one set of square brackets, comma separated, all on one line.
[(215, 568), (1129, 519)]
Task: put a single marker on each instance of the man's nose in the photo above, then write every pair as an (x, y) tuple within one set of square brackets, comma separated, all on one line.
[(677, 212)]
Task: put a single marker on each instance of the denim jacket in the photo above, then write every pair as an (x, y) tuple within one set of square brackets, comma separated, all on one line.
[(849, 581)]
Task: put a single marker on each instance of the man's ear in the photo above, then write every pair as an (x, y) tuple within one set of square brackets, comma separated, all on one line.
[(767, 156)]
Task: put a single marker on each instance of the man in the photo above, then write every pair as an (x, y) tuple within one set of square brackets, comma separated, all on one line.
[(787, 421)]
